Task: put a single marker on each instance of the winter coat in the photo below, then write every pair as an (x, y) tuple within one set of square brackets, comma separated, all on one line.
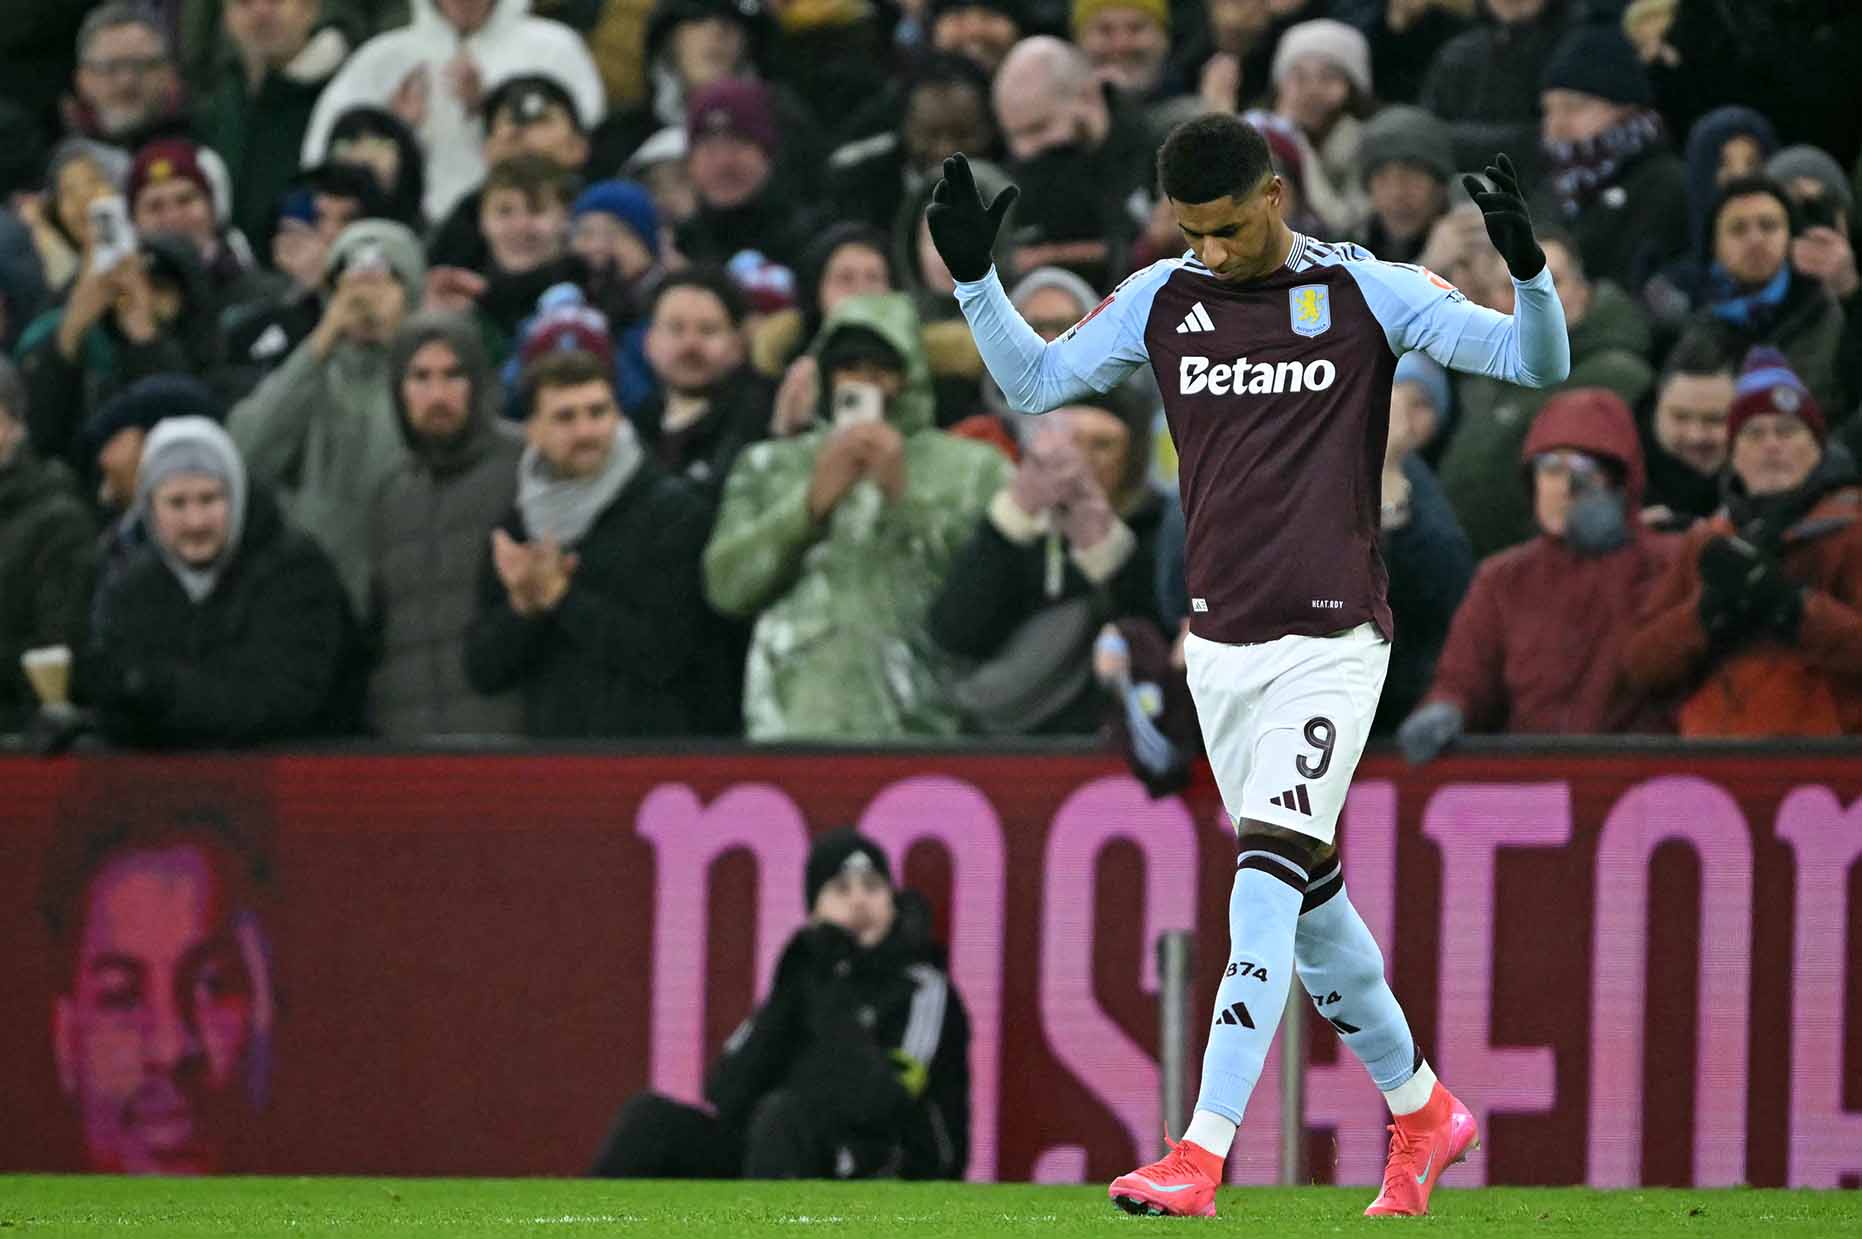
[(270, 654), (841, 649), (427, 535), (1430, 564), (616, 658), (324, 433), (510, 43), (258, 133), (704, 452), (1479, 467), (834, 1027), (1634, 227), (1000, 580), (1537, 646), (1766, 686), (47, 561), (1807, 327)]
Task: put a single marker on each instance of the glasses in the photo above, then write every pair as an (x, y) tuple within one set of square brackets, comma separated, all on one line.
[(126, 66)]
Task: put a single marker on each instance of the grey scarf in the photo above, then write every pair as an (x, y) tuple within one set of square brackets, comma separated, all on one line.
[(562, 509)]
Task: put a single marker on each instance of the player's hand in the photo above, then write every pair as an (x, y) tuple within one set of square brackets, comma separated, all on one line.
[(962, 226), (1509, 224), (1429, 730)]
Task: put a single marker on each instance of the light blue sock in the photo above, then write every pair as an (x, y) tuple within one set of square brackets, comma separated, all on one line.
[(1263, 913), (1343, 971)]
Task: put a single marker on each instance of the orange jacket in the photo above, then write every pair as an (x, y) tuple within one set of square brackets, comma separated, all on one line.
[(1812, 687)]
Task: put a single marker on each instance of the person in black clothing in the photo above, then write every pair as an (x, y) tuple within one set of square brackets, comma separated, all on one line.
[(710, 404), (589, 594), (855, 1066), (1684, 434), (229, 626)]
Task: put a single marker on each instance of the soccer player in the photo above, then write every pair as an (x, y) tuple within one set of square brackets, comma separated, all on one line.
[(1275, 352)]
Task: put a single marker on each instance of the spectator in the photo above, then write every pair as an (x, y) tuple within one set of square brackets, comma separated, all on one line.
[(1615, 182), (23, 293), (588, 597), (115, 437), (1537, 646), (229, 627), (1128, 43), (150, 312), (1070, 543), (847, 259), (943, 109), (377, 139), (1484, 82), (126, 90), (436, 73), (838, 540), (1406, 166), (1752, 295), (734, 142), (1405, 36), (322, 428), (46, 555), (1322, 83), (255, 116), (1684, 438), (427, 530), (79, 173), (1609, 343), (614, 230), (532, 114), (1756, 621), (172, 190), (709, 404), (1425, 551), (856, 1064), (1725, 144), (981, 31), (1823, 250)]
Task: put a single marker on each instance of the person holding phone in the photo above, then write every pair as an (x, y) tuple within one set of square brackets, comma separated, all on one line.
[(836, 541)]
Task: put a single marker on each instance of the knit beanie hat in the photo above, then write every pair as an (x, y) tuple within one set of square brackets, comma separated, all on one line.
[(1766, 385), (1419, 368), (149, 400), (1343, 45), (739, 107), (1405, 134), (167, 160), (841, 851), (1809, 161), (1085, 10), (627, 201), (1598, 60)]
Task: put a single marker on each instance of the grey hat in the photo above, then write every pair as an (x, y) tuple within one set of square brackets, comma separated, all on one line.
[(1404, 134), (193, 445), (1809, 161)]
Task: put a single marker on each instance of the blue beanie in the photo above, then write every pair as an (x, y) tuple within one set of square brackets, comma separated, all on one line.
[(1420, 368), (627, 201)]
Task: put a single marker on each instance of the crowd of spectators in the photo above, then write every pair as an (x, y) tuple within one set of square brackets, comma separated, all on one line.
[(584, 369)]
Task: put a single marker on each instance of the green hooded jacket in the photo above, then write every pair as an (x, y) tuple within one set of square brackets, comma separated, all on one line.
[(841, 650), (1480, 469)]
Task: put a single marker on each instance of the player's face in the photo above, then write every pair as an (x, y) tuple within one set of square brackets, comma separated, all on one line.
[(1774, 453), (167, 1004), (1237, 238), (860, 903)]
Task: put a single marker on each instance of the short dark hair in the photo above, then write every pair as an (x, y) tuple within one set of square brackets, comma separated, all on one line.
[(1747, 187), (560, 368), (710, 279), (1211, 157), (537, 177), (1701, 352)]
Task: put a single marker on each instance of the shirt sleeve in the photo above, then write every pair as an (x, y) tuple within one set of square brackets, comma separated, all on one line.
[(1420, 310), (1092, 356)]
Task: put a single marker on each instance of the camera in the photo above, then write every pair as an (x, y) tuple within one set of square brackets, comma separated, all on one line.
[(854, 403)]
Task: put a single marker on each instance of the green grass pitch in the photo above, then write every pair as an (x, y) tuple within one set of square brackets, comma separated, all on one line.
[(251, 1208)]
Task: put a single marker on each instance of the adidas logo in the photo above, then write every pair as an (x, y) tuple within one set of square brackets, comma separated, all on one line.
[(1294, 800), (1196, 320), (1237, 1014)]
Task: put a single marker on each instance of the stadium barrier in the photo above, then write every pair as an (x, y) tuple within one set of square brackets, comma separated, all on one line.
[(1636, 965)]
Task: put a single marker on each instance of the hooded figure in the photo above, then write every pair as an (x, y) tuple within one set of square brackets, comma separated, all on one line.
[(509, 43), (841, 649), (427, 529), (1726, 142), (1537, 646), (224, 629), (322, 429)]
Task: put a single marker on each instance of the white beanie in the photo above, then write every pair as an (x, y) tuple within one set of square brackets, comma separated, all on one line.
[(1343, 45)]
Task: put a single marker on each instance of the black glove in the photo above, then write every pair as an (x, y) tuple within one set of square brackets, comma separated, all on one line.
[(962, 227), (1429, 730), (1509, 224), (1742, 589)]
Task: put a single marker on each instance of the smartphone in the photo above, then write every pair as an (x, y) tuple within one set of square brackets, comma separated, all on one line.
[(854, 403), (1819, 211), (113, 237)]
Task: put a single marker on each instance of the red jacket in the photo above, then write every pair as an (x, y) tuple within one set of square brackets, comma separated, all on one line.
[(1766, 688), (1537, 645)]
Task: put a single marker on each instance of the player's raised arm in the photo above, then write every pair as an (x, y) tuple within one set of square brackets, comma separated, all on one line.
[(1531, 347), (1033, 375)]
